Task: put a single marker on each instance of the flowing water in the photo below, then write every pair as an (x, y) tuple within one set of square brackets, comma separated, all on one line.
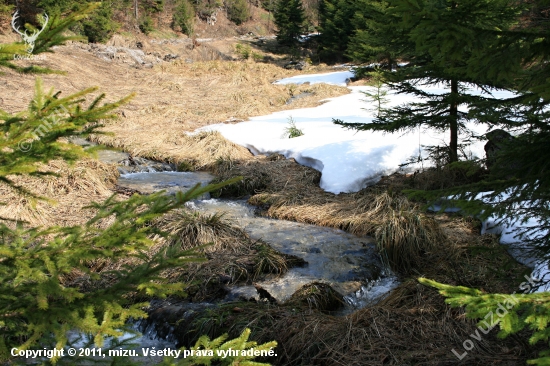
[(171, 182), (348, 263)]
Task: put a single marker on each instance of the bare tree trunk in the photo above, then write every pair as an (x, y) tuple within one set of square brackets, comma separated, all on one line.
[(136, 5), (453, 115)]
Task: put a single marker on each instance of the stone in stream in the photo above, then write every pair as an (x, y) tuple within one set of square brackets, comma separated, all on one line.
[(264, 294), (317, 295)]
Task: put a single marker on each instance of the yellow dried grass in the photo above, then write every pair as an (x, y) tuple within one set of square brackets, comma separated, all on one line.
[(412, 325), (210, 232), (73, 188)]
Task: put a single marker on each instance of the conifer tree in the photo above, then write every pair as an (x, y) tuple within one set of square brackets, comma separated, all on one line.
[(335, 28), (518, 185), (184, 17), (226, 353), (100, 26), (38, 306), (446, 35), (289, 19), (35, 300), (378, 36), (52, 35)]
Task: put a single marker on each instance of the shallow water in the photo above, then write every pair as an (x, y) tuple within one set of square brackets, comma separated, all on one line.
[(350, 264), (347, 262), (111, 156), (133, 342), (171, 182)]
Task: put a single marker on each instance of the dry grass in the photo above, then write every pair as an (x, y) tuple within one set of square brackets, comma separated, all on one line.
[(317, 295), (172, 98), (189, 230), (73, 188), (290, 191), (205, 93), (412, 326), (230, 256), (191, 152), (286, 190), (404, 238)]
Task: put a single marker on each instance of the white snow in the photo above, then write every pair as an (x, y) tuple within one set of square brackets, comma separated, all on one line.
[(509, 229), (333, 78), (348, 160)]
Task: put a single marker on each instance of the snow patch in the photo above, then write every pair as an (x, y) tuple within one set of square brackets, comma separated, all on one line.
[(333, 78), (349, 160)]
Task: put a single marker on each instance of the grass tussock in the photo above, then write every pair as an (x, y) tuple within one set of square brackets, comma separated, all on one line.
[(268, 260), (209, 232), (448, 176), (261, 174), (286, 190), (65, 191), (229, 256), (404, 237)]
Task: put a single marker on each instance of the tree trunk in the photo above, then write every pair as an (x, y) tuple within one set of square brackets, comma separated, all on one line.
[(136, 5), (453, 116)]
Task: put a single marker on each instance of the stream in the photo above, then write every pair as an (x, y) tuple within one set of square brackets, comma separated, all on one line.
[(348, 263)]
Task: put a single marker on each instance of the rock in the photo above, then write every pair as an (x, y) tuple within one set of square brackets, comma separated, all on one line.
[(497, 140), (169, 57), (296, 97), (136, 55), (135, 164), (297, 65), (264, 294)]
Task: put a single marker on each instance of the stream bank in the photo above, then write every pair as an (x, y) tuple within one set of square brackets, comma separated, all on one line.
[(337, 263)]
